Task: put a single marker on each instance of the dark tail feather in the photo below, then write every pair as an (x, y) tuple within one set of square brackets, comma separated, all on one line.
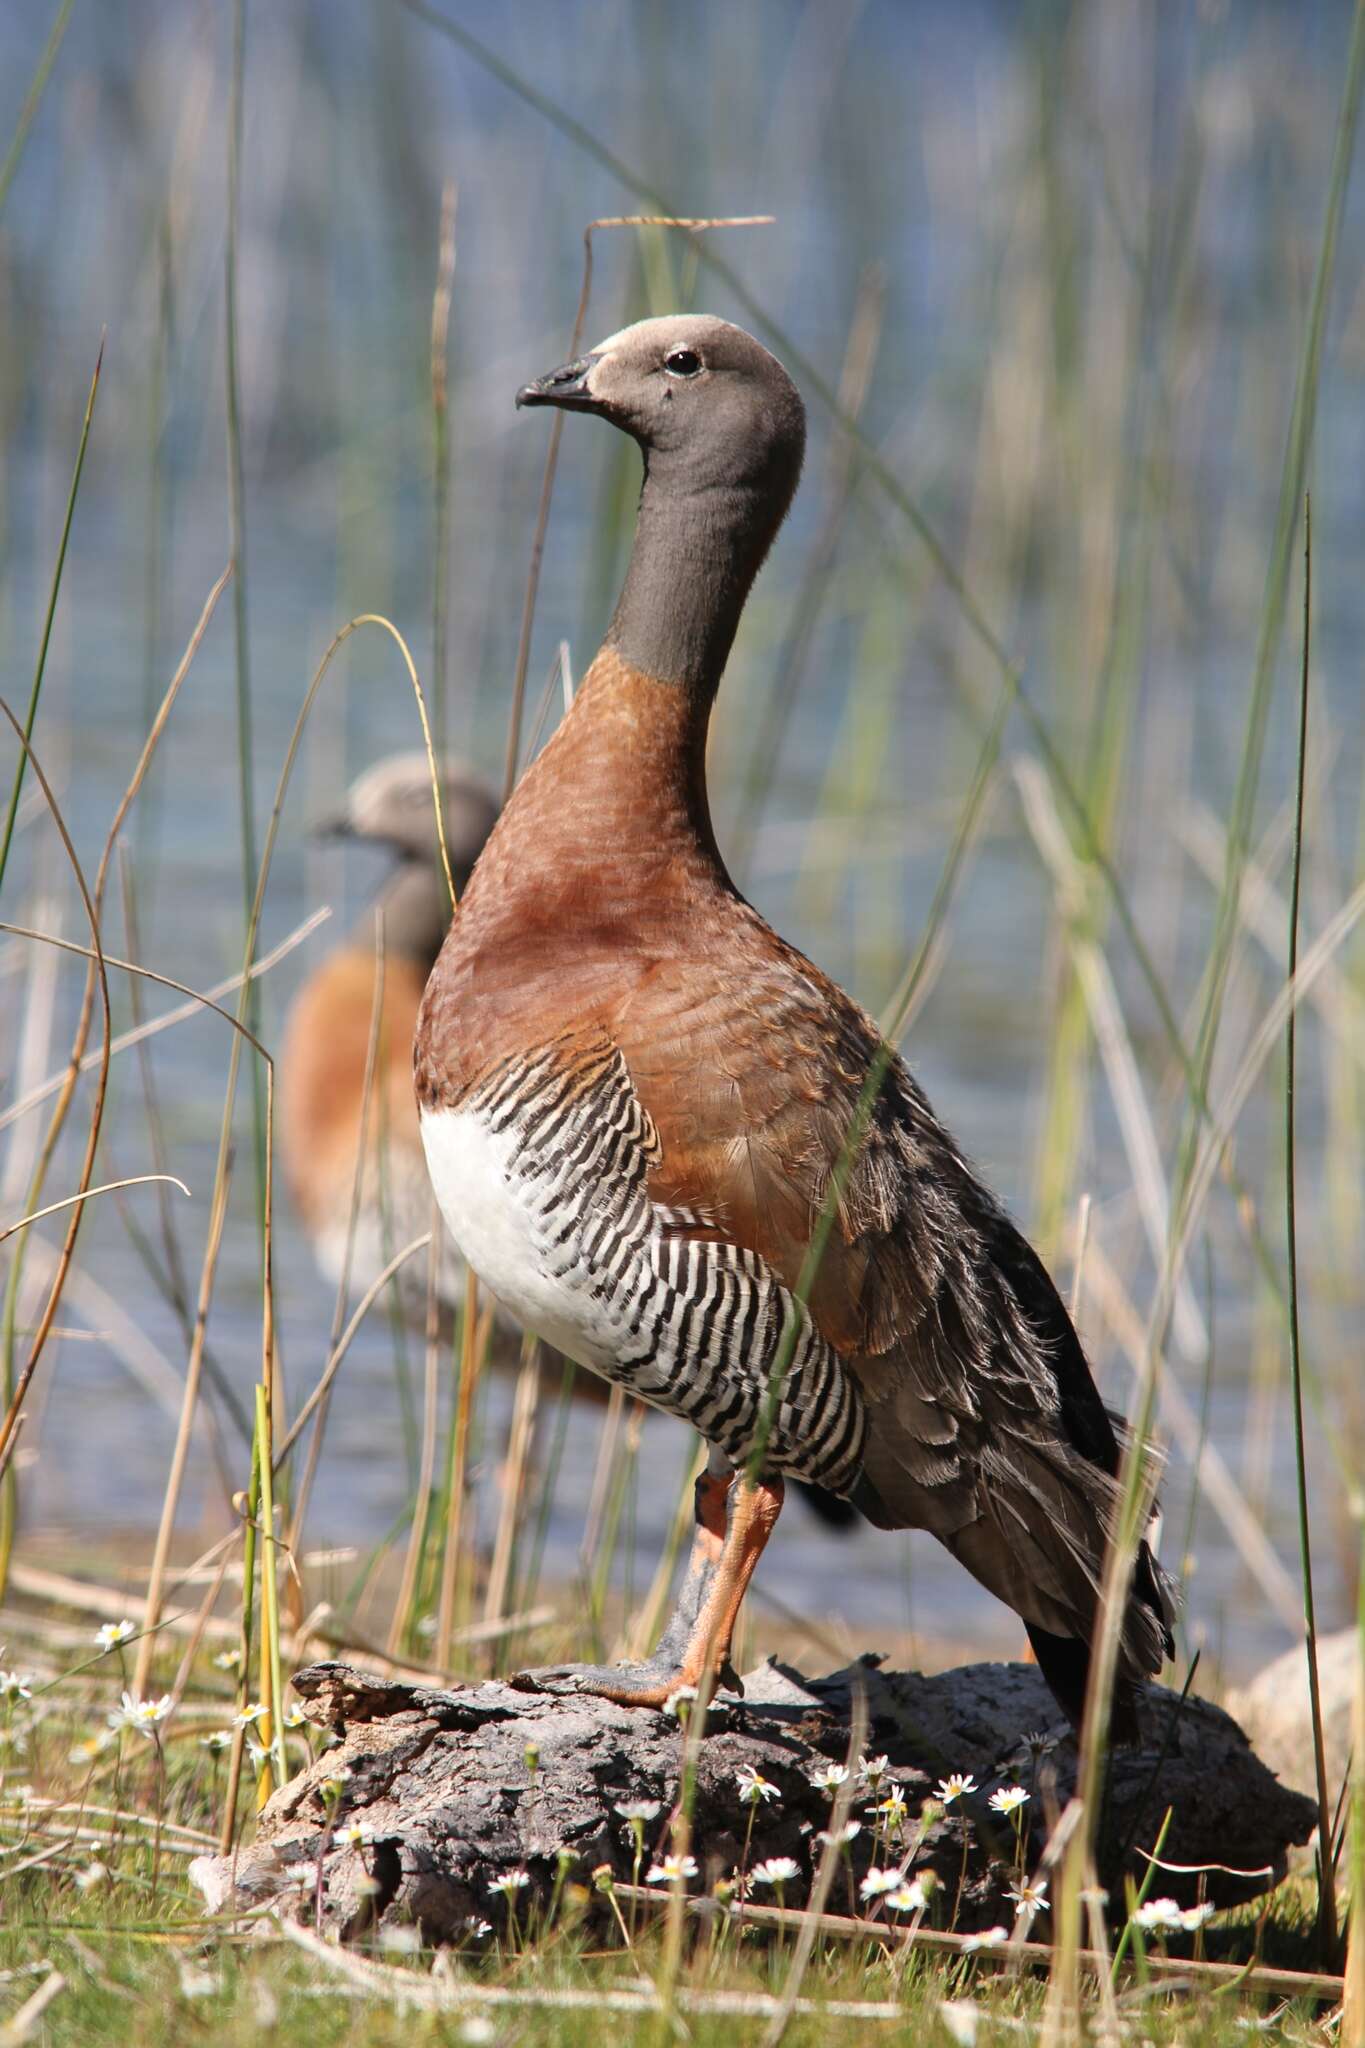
[(1065, 1663), (832, 1509), (1065, 1660)]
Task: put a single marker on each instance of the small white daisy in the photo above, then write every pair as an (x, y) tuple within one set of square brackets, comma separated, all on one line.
[(1029, 1897), (754, 1788), (873, 1769), (849, 1832), (478, 1930), (401, 1941), (15, 1686), (830, 1778), (1162, 1915), (354, 1836), (511, 1882), (958, 1785), (296, 1718), (673, 1870), (146, 1716), (961, 2019), (776, 1870), (110, 1634), (217, 1741), (228, 1660), (1008, 1799), (908, 1898), (878, 1883), (92, 1746), (989, 1937), (251, 1713), (640, 1810), (894, 1809), (1195, 1917)]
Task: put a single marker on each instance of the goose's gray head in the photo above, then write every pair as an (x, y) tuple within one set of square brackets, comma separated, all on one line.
[(390, 805), (710, 407)]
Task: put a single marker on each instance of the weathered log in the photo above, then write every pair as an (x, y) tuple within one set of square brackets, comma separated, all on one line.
[(457, 1788)]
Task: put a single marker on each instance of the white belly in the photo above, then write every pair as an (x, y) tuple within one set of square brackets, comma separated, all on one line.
[(542, 1178), (488, 1212)]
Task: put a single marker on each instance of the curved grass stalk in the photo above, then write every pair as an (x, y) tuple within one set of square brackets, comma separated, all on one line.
[(132, 1180), (345, 1340), (140, 1033), (25, 1379), (96, 976)]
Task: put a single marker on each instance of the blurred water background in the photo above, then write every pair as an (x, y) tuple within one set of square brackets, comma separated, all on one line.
[(1069, 252)]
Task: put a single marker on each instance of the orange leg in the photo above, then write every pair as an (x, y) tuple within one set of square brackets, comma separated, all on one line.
[(734, 1521)]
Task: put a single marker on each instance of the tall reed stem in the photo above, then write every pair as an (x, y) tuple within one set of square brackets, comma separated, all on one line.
[(31, 99), (272, 1687), (1327, 1915), (9, 1314), (237, 540), (440, 435)]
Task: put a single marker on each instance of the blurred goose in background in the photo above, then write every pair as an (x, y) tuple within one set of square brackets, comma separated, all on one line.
[(327, 1033)]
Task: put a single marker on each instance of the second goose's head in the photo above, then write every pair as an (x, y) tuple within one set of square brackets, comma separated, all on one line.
[(390, 805)]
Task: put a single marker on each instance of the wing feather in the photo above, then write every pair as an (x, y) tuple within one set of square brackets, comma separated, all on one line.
[(986, 1427)]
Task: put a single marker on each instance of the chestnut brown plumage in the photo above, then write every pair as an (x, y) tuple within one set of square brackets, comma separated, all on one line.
[(603, 941)]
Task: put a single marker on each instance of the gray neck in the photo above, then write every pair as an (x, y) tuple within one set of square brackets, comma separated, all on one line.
[(416, 909), (696, 554)]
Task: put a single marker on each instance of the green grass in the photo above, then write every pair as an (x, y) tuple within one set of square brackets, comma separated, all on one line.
[(96, 1839)]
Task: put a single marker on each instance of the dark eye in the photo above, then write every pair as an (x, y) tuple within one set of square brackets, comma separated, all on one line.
[(682, 362)]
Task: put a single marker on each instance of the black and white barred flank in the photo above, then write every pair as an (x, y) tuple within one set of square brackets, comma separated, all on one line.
[(691, 1325)]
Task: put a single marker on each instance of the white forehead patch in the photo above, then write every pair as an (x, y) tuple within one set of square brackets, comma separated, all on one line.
[(604, 348), (681, 328), (374, 791), (403, 780)]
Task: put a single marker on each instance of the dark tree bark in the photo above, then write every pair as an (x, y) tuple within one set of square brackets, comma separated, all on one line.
[(457, 1788)]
